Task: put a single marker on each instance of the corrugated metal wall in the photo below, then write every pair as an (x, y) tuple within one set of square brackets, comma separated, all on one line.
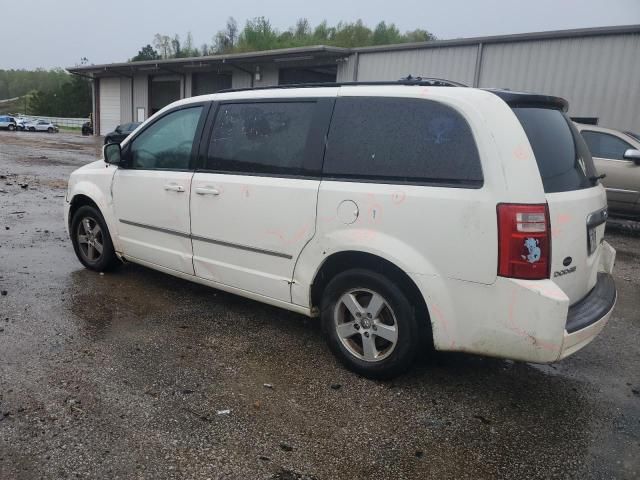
[(141, 94), (269, 74), (453, 63), (600, 76), (188, 84), (125, 100), (346, 69), (240, 79)]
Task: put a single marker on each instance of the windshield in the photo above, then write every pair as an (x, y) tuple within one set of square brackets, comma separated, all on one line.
[(563, 158)]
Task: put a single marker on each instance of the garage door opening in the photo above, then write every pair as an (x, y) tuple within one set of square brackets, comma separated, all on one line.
[(163, 91), (203, 83), (324, 74)]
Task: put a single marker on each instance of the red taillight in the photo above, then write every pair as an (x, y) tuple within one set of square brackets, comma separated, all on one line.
[(524, 241)]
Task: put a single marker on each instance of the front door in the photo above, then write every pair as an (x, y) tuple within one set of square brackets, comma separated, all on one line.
[(253, 206), (151, 194), (622, 179)]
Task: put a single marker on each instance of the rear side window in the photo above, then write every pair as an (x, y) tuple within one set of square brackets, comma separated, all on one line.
[(563, 158), (264, 137), (401, 140), (603, 145)]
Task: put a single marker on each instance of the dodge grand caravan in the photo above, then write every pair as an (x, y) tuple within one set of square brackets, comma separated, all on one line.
[(399, 214)]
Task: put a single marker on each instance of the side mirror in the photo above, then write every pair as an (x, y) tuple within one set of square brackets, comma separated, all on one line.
[(112, 153), (632, 154)]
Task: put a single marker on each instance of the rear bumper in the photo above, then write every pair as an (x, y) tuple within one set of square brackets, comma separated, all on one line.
[(587, 318), (528, 320)]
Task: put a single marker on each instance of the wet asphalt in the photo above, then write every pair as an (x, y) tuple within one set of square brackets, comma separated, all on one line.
[(136, 374)]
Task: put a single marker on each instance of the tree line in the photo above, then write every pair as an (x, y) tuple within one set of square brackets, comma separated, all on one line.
[(259, 34), (53, 92)]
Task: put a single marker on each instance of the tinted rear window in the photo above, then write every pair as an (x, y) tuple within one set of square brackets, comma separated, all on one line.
[(401, 140), (563, 158)]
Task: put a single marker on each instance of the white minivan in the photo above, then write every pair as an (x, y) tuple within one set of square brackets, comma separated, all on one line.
[(402, 214)]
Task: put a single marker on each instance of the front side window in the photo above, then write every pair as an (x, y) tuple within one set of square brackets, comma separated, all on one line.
[(167, 144), (265, 137), (603, 145), (401, 140)]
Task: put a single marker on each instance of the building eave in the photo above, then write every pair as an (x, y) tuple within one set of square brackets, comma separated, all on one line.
[(280, 55)]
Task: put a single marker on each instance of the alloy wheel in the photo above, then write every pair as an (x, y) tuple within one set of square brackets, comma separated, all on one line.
[(90, 239), (366, 325)]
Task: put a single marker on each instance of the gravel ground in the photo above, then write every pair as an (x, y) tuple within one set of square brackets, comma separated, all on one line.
[(136, 374)]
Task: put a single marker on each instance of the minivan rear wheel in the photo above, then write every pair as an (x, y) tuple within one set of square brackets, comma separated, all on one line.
[(92, 240), (370, 324)]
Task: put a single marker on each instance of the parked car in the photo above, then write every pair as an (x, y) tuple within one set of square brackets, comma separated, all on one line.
[(120, 133), (21, 122), (7, 122), (399, 214), (617, 155), (41, 126)]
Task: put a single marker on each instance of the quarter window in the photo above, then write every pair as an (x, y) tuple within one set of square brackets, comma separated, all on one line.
[(269, 137), (167, 143), (401, 140), (603, 145), (562, 156)]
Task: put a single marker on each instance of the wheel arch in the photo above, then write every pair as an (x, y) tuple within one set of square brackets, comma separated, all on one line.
[(80, 200), (87, 193), (349, 259)]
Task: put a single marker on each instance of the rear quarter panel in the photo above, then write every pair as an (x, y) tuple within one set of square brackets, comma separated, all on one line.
[(434, 231)]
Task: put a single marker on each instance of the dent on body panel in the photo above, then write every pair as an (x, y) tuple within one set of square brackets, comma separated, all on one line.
[(515, 325)]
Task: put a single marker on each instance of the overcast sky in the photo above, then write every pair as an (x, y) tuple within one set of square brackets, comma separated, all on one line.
[(51, 33)]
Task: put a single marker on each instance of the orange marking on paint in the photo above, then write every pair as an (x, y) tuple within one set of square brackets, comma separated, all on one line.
[(445, 325), (398, 197), (298, 235), (521, 152)]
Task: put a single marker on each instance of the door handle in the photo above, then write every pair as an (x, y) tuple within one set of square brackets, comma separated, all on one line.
[(207, 191), (174, 188)]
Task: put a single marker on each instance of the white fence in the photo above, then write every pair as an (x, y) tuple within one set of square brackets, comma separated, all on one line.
[(63, 122)]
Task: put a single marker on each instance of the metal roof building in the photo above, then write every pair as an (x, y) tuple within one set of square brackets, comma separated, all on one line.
[(596, 69)]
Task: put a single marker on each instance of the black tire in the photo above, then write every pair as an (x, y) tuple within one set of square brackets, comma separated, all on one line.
[(398, 306), (32, 129), (50, 129), (11, 127), (107, 259)]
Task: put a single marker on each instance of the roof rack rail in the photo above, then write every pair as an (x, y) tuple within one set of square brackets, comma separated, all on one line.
[(409, 81)]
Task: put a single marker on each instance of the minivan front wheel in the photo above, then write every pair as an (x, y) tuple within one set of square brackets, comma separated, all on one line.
[(91, 240), (370, 324)]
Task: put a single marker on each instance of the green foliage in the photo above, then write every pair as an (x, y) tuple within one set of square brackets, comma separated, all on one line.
[(259, 34), (71, 99), (16, 83), (146, 53)]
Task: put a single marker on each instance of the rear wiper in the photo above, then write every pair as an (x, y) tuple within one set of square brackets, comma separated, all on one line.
[(595, 179)]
